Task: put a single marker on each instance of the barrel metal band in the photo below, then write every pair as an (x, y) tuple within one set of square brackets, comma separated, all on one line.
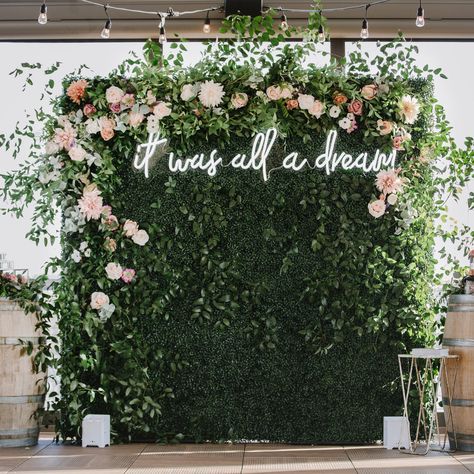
[(463, 437), (20, 399), (459, 402), (459, 308), (23, 433), (458, 342), (18, 442), (19, 340)]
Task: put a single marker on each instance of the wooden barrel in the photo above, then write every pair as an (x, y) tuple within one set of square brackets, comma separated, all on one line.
[(459, 339), (20, 394)]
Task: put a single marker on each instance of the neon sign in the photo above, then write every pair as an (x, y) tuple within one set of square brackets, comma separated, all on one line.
[(262, 146)]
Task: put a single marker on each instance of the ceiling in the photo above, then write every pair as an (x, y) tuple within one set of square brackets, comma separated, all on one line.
[(75, 20)]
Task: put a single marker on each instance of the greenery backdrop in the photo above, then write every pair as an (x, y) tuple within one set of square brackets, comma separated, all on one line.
[(225, 307)]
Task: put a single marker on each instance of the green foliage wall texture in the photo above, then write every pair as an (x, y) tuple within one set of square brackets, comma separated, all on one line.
[(247, 283)]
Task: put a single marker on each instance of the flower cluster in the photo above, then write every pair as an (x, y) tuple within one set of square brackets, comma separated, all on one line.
[(389, 183)]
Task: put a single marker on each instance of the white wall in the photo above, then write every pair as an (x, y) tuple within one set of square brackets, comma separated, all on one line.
[(455, 93)]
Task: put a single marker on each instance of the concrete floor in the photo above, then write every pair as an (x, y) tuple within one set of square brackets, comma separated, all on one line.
[(226, 459)]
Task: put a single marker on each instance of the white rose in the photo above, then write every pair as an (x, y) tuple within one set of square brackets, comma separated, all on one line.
[(239, 100), (114, 95), (305, 101), (51, 147), (274, 92), (141, 237), (99, 299), (161, 110), (130, 228), (114, 271), (334, 111), (211, 93), (392, 199), (106, 311), (188, 92), (77, 153)]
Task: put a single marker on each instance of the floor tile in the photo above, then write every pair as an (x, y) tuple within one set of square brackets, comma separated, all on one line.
[(467, 459)]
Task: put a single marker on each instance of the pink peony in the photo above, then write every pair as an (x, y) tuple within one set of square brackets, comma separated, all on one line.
[(114, 94), (116, 108), (377, 208), (388, 181), (130, 228), (77, 90), (317, 108), (65, 137), (89, 110), (91, 204), (355, 107), (128, 275), (99, 299)]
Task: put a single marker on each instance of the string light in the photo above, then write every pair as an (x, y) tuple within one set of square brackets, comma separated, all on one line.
[(207, 24), (162, 38), (321, 33), (284, 22), (420, 17), (108, 25), (364, 32), (43, 15)]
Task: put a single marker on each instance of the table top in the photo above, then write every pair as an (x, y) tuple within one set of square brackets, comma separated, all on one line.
[(432, 356)]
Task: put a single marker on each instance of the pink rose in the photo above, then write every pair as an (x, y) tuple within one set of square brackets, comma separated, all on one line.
[(107, 133), (274, 92), (388, 181), (130, 228), (239, 100), (114, 94), (128, 275), (99, 299), (355, 107), (116, 108), (369, 91), (161, 110), (377, 208), (89, 110), (397, 142)]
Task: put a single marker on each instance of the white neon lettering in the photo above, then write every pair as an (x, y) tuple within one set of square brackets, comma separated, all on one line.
[(262, 146)]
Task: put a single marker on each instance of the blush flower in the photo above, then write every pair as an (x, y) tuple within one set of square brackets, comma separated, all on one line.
[(377, 208), (141, 237), (409, 109), (99, 299), (188, 92), (355, 107), (239, 100), (384, 127), (130, 228), (388, 181), (128, 101), (77, 90), (369, 91), (211, 93), (90, 205), (162, 110), (65, 137), (110, 244), (305, 101), (273, 92), (114, 95), (135, 119), (77, 153), (316, 109), (111, 222), (128, 275), (113, 270), (89, 110)]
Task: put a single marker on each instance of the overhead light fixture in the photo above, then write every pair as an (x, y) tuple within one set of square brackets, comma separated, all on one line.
[(43, 16), (283, 22), (364, 32), (207, 24), (420, 17), (107, 27)]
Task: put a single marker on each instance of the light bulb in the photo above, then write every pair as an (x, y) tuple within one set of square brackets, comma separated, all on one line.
[(162, 39), (207, 25), (321, 34), (284, 22), (43, 16), (364, 32), (420, 17), (106, 31)]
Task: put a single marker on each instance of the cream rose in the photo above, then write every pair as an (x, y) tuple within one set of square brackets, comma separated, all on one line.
[(286, 92), (384, 127), (316, 109), (77, 153), (99, 299), (135, 119), (273, 92), (305, 101), (141, 237), (239, 100), (369, 91), (130, 228), (114, 271), (377, 208), (161, 110), (114, 95)]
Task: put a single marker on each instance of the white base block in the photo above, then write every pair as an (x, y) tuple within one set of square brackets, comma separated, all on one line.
[(96, 431), (396, 432)]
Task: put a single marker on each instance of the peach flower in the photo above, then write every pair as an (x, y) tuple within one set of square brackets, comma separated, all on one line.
[(239, 100), (77, 90), (135, 119), (369, 91), (273, 92), (110, 244), (355, 107), (292, 104), (316, 109), (384, 127), (339, 98)]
